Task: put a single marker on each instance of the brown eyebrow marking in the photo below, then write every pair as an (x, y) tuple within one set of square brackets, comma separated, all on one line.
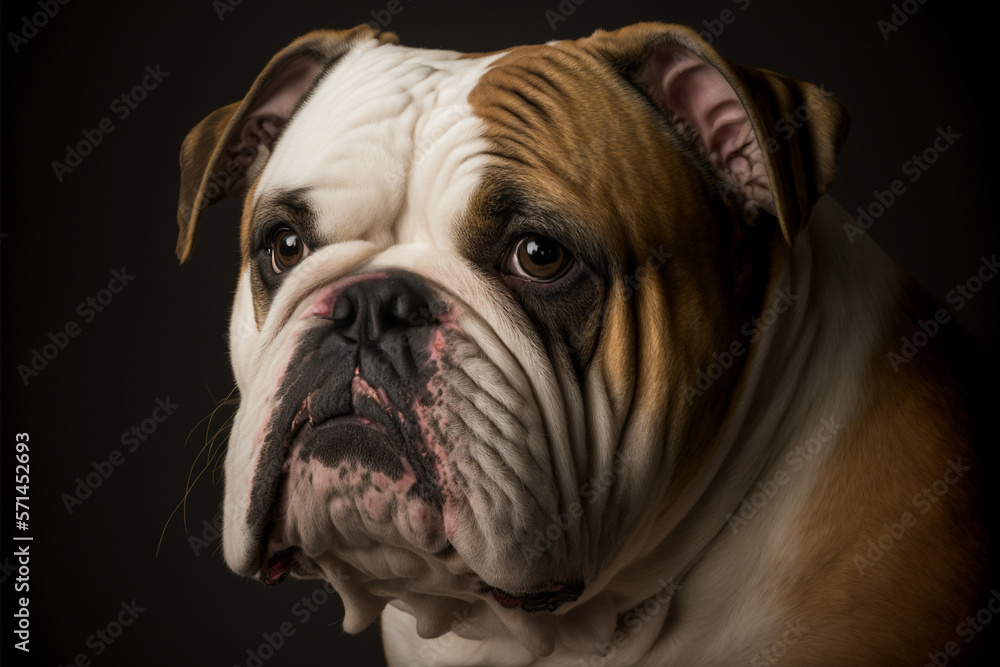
[(287, 207), (290, 206)]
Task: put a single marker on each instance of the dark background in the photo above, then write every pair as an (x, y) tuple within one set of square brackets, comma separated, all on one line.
[(164, 336)]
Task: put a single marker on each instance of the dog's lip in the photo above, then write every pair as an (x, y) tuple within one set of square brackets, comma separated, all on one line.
[(447, 551), (274, 567), (548, 598), (283, 559), (360, 389), (372, 407), (277, 567)]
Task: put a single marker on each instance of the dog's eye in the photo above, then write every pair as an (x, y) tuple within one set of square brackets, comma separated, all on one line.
[(538, 259), (286, 249)]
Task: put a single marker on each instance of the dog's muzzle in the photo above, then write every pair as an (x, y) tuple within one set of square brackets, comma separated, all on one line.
[(356, 478), (345, 426)]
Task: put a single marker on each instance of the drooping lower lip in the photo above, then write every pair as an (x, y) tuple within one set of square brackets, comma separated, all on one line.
[(372, 412), (549, 599), (360, 438), (278, 566)]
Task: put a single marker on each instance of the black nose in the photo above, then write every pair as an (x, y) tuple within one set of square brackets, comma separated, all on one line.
[(372, 308)]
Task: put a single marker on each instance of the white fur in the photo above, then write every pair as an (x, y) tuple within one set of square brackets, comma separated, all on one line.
[(390, 153)]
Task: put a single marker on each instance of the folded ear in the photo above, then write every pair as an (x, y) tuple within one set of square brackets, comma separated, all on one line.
[(227, 150), (771, 139)]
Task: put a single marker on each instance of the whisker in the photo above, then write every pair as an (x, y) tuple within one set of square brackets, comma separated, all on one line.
[(212, 457)]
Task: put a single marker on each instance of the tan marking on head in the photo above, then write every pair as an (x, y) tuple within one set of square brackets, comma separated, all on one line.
[(570, 133), (246, 224)]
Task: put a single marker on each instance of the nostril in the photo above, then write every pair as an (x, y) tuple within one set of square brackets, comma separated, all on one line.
[(400, 309), (343, 312), (397, 306), (369, 309)]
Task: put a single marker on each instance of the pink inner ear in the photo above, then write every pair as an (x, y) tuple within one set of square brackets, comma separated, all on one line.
[(701, 99), (283, 92), (273, 107)]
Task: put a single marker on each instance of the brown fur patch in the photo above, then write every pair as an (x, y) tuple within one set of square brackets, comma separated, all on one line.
[(909, 600), (571, 135)]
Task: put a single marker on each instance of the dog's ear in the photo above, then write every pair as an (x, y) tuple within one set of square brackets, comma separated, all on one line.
[(226, 151), (772, 140)]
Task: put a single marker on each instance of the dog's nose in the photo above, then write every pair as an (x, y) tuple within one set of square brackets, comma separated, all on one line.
[(372, 308)]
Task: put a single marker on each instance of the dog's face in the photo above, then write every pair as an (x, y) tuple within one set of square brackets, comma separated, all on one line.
[(476, 292)]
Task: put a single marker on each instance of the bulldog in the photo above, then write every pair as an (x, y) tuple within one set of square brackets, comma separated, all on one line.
[(561, 355)]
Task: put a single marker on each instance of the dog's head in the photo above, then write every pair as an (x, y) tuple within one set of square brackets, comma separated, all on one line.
[(475, 294)]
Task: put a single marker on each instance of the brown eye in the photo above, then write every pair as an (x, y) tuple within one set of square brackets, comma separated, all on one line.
[(538, 259), (287, 249)]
